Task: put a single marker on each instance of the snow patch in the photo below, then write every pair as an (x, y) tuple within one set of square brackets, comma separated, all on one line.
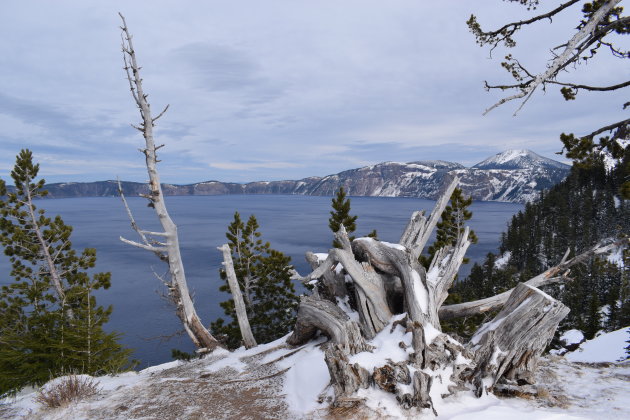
[(164, 366), (502, 261), (617, 258), (430, 333), (572, 337), (344, 304), (395, 246), (421, 293), (386, 347), (306, 378), (609, 347)]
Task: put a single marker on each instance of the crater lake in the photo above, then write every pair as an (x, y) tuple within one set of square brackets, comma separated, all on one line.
[(292, 224)]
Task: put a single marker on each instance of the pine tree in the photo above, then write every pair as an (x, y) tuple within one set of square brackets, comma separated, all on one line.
[(451, 225), (264, 276), (592, 322), (341, 216), (584, 208), (51, 323)]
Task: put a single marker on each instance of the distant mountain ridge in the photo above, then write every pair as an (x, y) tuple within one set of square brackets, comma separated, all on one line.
[(511, 176), (518, 159)]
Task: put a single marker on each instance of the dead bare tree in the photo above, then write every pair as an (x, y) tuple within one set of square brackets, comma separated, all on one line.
[(164, 244), (362, 286)]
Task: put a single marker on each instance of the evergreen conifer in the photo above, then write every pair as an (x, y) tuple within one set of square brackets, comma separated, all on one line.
[(451, 225), (50, 323), (584, 208), (264, 276), (340, 215)]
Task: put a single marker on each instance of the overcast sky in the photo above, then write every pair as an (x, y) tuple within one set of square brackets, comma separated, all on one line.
[(268, 90)]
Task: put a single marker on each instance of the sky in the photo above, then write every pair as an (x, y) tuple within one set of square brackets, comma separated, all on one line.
[(280, 89)]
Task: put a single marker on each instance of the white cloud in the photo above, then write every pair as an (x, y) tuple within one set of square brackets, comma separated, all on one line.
[(275, 89), (251, 166)]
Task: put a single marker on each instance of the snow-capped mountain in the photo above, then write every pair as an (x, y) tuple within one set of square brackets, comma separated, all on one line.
[(519, 159), (513, 176)]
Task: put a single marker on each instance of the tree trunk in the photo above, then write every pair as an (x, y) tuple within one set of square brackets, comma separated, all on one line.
[(197, 332), (507, 348), (239, 306), (44, 248)]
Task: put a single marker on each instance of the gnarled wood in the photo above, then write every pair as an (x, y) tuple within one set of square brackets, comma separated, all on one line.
[(318, 314), (423, 293), (386, 278), (346, 378), (507, 348)]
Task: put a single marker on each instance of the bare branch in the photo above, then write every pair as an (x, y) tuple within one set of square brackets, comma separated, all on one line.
[(592, 88), (579, 42), (147, 232), (610, 127), (507, 30), (144, 246), (160, 115)]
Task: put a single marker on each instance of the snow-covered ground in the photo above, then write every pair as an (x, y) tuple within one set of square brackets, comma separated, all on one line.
[(604, 348), (274, 381)]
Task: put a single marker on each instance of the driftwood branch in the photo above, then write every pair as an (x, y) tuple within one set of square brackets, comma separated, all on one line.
[(151, 248), (417, 240)]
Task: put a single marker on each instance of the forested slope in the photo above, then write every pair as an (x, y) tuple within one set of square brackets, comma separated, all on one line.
[(575, 214)]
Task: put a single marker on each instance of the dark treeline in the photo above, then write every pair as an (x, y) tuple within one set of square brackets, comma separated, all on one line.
[(585, 208)]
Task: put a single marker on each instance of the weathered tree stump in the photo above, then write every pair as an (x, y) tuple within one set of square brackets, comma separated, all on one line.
[(373, 281), (507, 348)]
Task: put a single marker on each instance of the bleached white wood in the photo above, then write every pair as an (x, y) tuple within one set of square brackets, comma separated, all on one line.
[(179, 292), (239, 305)]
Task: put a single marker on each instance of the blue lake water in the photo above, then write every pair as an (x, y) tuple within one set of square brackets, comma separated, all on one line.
[(293, 225)]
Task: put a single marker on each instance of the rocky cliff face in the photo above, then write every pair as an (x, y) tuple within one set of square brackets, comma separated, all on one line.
[(513, 176)]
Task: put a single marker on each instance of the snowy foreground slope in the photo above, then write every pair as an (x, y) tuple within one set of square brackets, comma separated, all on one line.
[(274, 381)]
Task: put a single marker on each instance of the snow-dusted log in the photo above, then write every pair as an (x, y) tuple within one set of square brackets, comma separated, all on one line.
[(239, 305), (178, 288), (507, 348), (317, 314), (554, 274)]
